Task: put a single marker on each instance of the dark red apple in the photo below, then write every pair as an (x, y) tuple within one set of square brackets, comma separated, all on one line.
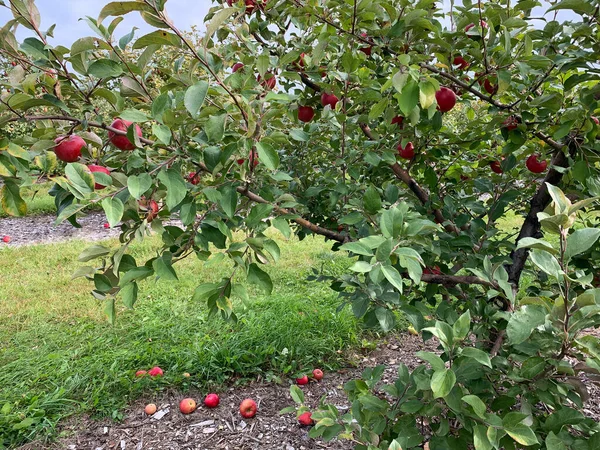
[(483, 24), (306, 113), (68, 148), (446, 99), (329, 99), (496, 167), (302, 380), (119, 141), (237, 66), (193, 178), (398, 120), (534, 165), (435, 270), (96, 168), (408, 152), (368, 49), (511, 123), (460, 62), (267, 83)]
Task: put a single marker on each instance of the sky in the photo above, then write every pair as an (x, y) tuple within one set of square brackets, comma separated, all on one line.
[(66, 14), (185, 13)]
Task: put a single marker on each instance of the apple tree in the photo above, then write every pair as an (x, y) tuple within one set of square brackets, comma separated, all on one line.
[(452, 154)]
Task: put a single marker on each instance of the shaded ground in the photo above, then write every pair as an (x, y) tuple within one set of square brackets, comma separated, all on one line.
[(223, 427)]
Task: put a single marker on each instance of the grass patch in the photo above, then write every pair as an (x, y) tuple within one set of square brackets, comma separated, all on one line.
[(59, 355)]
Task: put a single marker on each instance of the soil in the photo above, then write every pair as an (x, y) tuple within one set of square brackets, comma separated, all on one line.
[(223, 427)]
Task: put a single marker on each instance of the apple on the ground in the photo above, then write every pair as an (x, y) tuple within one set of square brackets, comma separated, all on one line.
[(150, 409), (318, 374), (187, 406), (248, 408), (139, 373), (302, 380), (305, 419), (211, 401), (155, 372)]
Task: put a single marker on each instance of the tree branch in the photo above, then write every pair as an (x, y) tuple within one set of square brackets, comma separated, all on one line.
[(453, 280)]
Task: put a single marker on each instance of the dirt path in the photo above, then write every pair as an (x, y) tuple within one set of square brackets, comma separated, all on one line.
[(41, 229), (223, 427)]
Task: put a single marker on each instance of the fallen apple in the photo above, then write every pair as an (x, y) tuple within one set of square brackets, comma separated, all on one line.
[(139, 373), (150, 409), (302, 380), (305, 419), (6, 239), (156, 372), (187, 406), (318, 374), (211, 401), (248, 408)]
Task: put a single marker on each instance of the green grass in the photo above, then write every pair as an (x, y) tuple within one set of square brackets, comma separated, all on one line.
[(59, 356)]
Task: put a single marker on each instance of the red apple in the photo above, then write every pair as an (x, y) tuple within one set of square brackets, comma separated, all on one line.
[(460, 62), (489, 87), (366, 50), (211, 401), (534, 165), (237, 66), (407, 152), (267, 83), (68, 148), (299, 64), (250, 6), (193, 178), (446, 99), (241, 161), (253, 158), (496, 167), (155, 372), (305, 419), (95, 168), (596, 121), (152, 210), (329, 99), (483, 24), (248, 408), (150, 409), (306, 113), (119, 141), (187, 406), (302, 381), (511, 123), (107, 225), (435, 270), (139, 373), (6, 239), (318, 374), (398, 120)]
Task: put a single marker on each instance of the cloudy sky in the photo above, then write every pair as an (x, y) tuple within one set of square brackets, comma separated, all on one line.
[(185, 13)]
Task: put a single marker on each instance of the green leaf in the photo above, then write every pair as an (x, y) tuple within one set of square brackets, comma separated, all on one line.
[(580, 7), (372, 200), (532, 367), (139, 273), (93, 252), (259, 277), (105, 68), (217, 20), (361, 267), (522, 323), (164, 269), (12, 202), (386, 319), (175, 184), (442, 382), (139, 184), (522, 434), (540, 244), (80, 178), (296, 394), (561, 202), (437, 363), (215, 128), (129, 293), (158, 37), (546, 262), (357, 248), (477, 405), (391, 223), (393, 276), (462, 326), (194, 97), (121, 8), (409, 98), (553, 442), (581, 241), (109, 309), (478, 355), (229, 200), (114, 208), (267, 155)]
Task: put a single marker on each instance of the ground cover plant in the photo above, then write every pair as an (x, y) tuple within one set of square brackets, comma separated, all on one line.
[(401, 132)]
